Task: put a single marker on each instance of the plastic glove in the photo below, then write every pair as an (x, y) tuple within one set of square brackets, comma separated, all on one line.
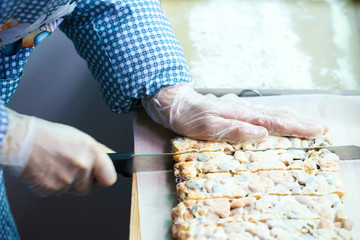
[(53, 158), (229, 118)]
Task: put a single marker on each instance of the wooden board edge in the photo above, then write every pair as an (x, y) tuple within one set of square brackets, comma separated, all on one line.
[(134, 231)]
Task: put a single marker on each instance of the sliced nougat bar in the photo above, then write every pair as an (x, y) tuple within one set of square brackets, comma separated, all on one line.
[(285, 142), (266, 208), (259, 209), (290, 229), (183, 144), (245, 184), (199, 164)]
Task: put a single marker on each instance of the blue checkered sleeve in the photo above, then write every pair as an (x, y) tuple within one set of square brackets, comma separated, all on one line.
[(129, 47), (11, 68), (3, 122)]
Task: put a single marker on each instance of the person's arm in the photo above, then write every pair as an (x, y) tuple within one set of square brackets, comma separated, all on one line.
[(129, 47), (132, 51)]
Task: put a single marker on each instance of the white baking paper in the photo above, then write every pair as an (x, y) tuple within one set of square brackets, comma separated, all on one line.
[(157, 195)]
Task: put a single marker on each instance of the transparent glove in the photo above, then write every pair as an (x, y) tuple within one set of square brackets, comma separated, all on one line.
[(53, 158), (229, 118)]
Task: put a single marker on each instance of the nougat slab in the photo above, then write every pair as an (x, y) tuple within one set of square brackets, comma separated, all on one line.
[(272, 194), (183, 144), (256, 209)]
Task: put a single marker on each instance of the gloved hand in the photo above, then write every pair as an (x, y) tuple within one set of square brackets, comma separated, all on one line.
[(207, 117), (53, 158)]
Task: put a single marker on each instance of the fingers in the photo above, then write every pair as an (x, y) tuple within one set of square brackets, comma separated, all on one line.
[(237, 131), (104, 170), (218, 129), (277, 122), (297, 128), (46, 181), (77, 174), (290, 124), (102, 173), (82, 183)]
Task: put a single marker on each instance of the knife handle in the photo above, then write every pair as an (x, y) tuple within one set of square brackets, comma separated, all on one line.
[(122, 163)]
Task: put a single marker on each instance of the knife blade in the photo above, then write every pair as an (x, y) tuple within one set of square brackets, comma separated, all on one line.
[(345, 152), (127, 163)]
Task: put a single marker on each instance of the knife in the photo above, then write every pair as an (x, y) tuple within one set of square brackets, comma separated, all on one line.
[(127, 163)]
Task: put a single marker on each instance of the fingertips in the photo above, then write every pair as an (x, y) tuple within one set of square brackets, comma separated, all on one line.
[(298, 127), (326, 129), (291, 124), (310, 130), (106, 148)]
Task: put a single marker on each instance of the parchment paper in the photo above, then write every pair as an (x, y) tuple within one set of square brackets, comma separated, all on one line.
[(157, 195)]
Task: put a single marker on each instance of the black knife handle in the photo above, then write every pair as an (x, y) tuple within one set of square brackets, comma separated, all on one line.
[(122, 163)]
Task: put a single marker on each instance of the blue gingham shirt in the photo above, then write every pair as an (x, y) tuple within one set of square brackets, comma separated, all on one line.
[(129, 47)]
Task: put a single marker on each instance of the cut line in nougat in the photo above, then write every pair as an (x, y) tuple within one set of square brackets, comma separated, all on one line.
[(259, 209)]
